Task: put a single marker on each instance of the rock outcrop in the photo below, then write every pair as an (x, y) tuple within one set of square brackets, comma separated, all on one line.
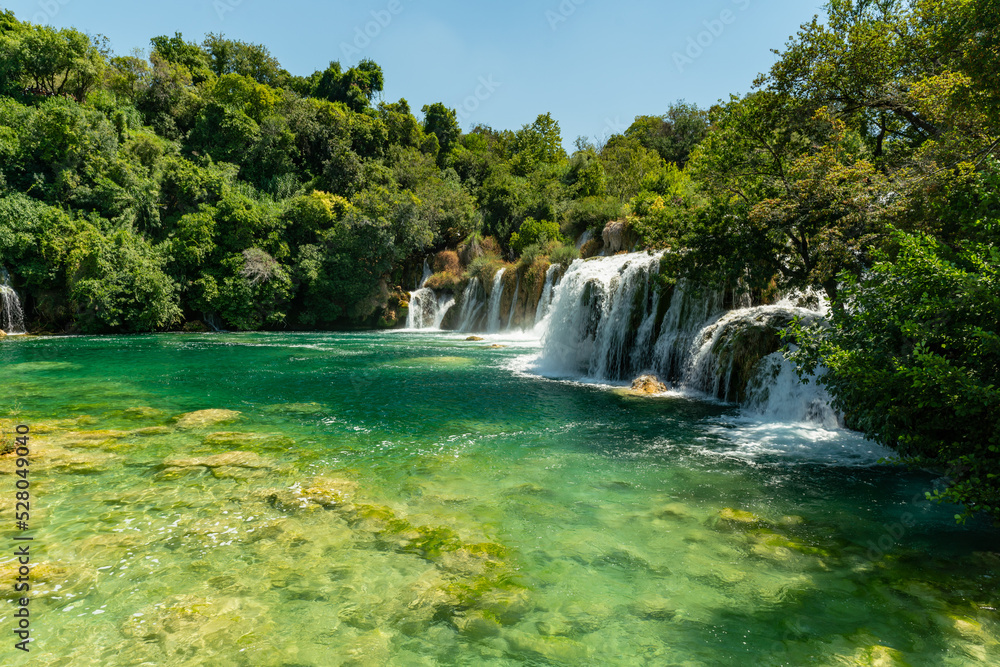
[(648, 384)]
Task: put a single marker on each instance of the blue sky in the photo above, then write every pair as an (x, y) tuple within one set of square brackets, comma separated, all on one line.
[(594, 64)]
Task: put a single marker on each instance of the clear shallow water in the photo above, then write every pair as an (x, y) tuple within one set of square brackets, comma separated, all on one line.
[(414, 499)]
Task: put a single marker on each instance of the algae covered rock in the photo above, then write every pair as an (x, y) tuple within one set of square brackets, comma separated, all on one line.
[(734, 519), (206, 418), (227, 465), (648, 384), (142, 412), (329, 492), (475, 339), (228, 439), (656, 609)]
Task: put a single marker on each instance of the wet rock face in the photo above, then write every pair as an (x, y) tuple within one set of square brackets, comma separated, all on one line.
[(648, 384)]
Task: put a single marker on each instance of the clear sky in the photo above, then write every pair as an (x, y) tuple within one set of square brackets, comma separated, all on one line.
[(594, 64)]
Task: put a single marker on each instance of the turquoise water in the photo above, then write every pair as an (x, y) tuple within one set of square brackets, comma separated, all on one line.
[(415, 499)]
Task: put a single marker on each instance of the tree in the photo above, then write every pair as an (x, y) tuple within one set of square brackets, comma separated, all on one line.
[(674, 135), (254, 61), (54, 62), (442, 122), (176, 51), (355, 88), (913, 360)]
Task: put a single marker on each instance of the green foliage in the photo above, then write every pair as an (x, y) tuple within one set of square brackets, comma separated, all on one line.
[(674, 135), (120, 284), (913, 360), (564, 254), (354, 88), (442, 122), (534, 232)]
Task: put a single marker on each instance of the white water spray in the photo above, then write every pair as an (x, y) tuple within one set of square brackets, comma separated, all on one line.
[(11, 314)]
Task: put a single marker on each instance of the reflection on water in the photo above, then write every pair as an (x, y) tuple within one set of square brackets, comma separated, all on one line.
[(407, 499)]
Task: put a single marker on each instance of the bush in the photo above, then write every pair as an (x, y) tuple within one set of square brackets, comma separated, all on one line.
[(564, 254), (534, 232), (446, 261), (914, 362)]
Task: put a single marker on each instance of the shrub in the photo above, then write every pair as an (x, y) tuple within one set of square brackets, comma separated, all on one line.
[(446, 261), (914, 361), (564, 254)]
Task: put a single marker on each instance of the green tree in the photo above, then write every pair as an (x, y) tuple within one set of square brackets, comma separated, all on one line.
[(674, 135), (913, 360), (442, 122)]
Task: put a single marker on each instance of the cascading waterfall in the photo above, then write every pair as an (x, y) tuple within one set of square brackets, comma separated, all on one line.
[(545, 302), (426, 276), (596, 312), (776, 393), (513, 303), (493, 313), (472, 306), (11, 314), (428, 310), (608, 322)]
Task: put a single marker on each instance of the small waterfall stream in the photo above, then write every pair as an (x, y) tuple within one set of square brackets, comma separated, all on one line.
[(427, 309), (11, 314), (545, 302), (493, 312)]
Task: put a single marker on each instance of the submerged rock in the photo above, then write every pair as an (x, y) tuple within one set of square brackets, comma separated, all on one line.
[(206, 418), (475, 339), (560, 650), (224, 439), (648, 384), (733, 519), (247, 460), (655, 609), (329, 492), (142, 412)]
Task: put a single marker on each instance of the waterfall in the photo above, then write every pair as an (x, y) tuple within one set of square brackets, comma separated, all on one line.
[(472, 306), (427, 310), (596, 312), (11, 314), (776, 394), (609, 322), (513, 303), (427, 275), (493, 314), (546, 299)]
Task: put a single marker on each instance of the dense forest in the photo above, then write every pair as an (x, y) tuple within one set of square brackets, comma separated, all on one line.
[(205, 183)]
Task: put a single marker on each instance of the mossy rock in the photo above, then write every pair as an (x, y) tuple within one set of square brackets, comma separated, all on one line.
[(151, 431), (653, 609), (734, 519), (142, 412), (476, 624), (560, 650), (230, 439), (235, 459), (206, 418)]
